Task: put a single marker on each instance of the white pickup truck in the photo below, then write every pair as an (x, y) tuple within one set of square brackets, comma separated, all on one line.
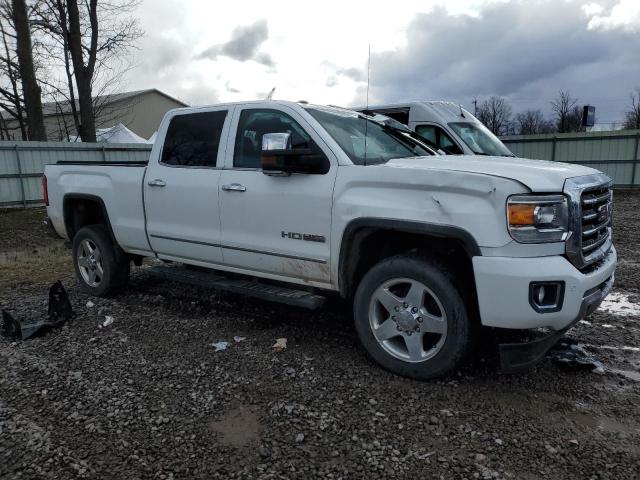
[(293, 202)]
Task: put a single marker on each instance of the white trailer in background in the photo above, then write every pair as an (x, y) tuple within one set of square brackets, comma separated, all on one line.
[(447, 125)]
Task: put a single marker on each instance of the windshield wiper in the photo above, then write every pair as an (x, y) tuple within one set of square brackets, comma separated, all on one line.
[(401, 132), (408, 138)]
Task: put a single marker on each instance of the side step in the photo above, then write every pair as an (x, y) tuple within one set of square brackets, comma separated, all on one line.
[(251, 288)]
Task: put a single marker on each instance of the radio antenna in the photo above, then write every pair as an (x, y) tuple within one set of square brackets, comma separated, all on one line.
[(366, 122), (270, 94), (368, 74)]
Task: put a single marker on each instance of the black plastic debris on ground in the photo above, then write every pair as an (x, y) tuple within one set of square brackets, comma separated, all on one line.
[(58, 312), (570, 353)]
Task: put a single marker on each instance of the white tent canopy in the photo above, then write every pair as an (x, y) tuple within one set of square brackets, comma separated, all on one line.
[(116, 134)]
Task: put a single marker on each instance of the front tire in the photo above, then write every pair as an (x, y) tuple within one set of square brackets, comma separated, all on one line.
[(102, 268), (411, 318)]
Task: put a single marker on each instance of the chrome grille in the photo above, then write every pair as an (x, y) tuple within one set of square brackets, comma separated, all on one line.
[(592, 206), (596, 218)]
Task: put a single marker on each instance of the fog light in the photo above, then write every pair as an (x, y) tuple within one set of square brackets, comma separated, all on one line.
[(546, 297)]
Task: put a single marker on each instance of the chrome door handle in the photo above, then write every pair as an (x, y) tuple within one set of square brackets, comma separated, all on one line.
[(157, 183), (234, 187)]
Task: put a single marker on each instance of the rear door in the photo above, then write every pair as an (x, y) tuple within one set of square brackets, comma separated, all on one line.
[(276, 225), (181, 187)]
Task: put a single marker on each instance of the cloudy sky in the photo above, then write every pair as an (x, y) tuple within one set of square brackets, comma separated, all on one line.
[(442, 50)]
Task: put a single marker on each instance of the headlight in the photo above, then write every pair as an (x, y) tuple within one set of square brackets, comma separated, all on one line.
[(538, 218)]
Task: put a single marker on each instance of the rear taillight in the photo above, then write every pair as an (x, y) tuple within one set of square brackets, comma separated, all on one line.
[(45, 191)]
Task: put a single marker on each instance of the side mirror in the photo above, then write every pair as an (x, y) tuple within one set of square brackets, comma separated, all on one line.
[(279, 159), (276, 141)]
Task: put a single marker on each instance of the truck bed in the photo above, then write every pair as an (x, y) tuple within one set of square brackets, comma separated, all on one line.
[(123, 163), (117, 186)]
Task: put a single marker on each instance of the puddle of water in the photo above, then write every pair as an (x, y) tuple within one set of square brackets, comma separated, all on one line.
[(630, 374), (618, 303), (624, 348), (239, 427), (604, 424)]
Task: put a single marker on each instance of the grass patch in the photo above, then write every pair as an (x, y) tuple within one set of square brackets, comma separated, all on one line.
[(35, 269)]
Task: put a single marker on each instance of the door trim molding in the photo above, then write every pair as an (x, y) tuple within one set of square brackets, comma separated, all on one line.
[(241, 249)]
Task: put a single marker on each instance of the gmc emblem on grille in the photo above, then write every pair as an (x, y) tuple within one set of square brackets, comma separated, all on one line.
[(603, 213)]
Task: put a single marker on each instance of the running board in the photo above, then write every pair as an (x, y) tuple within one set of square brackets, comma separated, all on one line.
[(250, 288)]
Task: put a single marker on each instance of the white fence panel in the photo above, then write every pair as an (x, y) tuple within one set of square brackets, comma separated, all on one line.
[(22, 164), (615, 153)]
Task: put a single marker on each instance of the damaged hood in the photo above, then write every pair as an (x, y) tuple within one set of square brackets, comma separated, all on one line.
[(537, 175)]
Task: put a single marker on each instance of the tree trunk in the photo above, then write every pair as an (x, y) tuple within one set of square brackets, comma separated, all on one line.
[(82, 72), (14, 97), (30, 88), (62, 15)]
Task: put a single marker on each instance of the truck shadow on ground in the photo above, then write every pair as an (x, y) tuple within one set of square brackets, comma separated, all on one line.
[(333, 321)]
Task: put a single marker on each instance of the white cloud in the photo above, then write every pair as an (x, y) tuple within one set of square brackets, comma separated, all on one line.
[(624, 14), (318, 52)]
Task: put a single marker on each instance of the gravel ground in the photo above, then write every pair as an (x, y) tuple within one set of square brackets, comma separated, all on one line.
[(149, 397)]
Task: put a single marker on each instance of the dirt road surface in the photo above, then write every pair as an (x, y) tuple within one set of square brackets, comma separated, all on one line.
[(148, 397)]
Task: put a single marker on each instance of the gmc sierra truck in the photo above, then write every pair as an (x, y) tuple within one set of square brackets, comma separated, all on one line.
[(293, 202)]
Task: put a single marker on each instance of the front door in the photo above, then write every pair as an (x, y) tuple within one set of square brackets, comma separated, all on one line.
[(181, 189), (276, 225)]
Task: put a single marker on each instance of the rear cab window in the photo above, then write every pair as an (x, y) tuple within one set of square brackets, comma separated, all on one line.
[(193, 139)]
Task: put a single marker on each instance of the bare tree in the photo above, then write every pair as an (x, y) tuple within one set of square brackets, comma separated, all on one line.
[(564, 106), (11, 101), (574, 120), (88, 39), (531, 122), (495, 113), (632, 116), (30, 89)]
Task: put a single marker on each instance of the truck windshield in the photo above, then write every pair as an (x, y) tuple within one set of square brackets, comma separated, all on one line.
[(365, 140), (480, 139)]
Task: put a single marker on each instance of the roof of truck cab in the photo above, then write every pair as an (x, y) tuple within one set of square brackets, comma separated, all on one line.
[(234, 104)]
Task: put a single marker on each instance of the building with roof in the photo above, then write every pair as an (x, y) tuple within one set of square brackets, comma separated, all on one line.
[(140, 111)]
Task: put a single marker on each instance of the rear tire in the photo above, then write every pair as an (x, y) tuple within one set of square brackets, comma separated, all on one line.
[(102, 268), (411, 318)]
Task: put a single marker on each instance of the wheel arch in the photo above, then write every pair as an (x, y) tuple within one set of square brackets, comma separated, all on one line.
[(368, 232), (82, 209)]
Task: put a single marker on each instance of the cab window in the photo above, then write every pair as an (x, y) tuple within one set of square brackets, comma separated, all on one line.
[(254, 124), (192, 139), (439, 137)]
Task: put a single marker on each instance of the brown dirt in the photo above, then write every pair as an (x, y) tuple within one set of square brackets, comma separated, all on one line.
[(23, 229), (147, 397)]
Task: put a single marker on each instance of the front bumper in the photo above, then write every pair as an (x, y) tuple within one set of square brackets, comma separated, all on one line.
[(515, 357), (502, 285)]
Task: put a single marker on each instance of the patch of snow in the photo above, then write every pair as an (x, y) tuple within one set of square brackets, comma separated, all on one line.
[(618, 303), (606, 325), (219, 346), (584, 322)]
